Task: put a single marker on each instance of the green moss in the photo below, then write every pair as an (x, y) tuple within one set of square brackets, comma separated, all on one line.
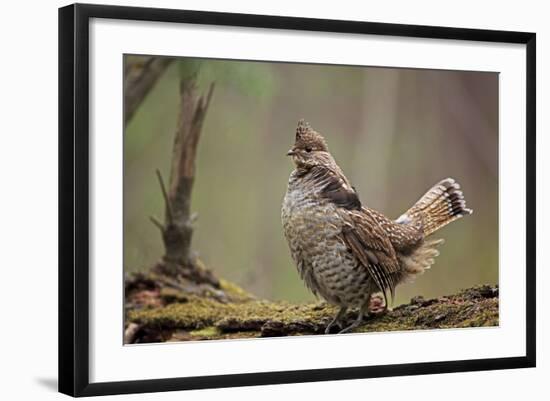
[(171, 295), (198, 313), (199, 318), (209, 331), (234, 292)]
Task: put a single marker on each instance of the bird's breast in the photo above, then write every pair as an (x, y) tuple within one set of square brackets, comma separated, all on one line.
[(308, 221), (313, 228), (304, 208)]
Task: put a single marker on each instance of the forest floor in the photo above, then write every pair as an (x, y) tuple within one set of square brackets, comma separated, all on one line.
[(157, 310)]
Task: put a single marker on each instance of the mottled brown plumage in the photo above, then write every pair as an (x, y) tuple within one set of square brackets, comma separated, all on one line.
[(345, 251)]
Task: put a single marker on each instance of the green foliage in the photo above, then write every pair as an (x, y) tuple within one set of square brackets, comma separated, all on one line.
[(189, 68), (256, 80)]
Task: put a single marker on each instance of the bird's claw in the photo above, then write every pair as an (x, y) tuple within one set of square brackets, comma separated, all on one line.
[(333, 323)]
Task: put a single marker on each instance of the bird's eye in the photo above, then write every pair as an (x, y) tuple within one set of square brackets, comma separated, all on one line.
[(308, 149)]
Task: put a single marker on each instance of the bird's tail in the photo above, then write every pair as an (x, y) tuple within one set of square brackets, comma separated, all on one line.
[(441, 205)]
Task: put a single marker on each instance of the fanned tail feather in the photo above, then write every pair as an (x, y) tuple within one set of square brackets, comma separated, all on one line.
[(441, 205)]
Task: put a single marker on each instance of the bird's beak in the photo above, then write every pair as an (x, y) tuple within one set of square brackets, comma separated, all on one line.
[(291, 152)]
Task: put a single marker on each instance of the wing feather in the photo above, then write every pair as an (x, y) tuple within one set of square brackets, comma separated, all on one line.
[(363, 233), (336, 188), (370, 244)]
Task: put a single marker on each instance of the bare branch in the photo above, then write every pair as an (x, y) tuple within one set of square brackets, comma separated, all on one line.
[(139, 77), (157, 223), (169, 214)]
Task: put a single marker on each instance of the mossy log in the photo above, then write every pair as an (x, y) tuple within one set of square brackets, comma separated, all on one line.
[(199, 313)]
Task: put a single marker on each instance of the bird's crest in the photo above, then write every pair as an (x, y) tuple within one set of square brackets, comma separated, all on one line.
[(308, 137), (302, 129)]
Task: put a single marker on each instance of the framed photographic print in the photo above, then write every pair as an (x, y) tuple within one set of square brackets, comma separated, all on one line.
[(290, 198)]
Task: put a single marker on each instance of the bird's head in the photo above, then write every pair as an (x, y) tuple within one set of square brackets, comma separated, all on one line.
[(310, 148)]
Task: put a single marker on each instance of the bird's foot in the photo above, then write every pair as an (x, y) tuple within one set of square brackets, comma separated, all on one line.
[(363, 311), (337, 321), (331, 325), (353, 326), (372, 308)]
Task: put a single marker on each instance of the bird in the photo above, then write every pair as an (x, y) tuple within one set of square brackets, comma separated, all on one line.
[(346, 252)]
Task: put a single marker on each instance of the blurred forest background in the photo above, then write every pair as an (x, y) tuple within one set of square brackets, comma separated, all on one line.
[(395, 132)]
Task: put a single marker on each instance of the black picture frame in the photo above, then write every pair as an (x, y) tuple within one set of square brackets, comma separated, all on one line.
[(74, 198)]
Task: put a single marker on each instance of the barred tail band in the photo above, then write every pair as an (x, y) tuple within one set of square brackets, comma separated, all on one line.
[(441, 205)]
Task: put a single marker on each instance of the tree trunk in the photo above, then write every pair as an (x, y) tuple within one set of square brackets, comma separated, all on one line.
[(177, 230)]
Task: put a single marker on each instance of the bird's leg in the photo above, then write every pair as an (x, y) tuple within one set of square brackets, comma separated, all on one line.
[(363, 312), (337, 319)]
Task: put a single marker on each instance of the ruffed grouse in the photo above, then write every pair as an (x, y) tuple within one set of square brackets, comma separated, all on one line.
[(345, 251)]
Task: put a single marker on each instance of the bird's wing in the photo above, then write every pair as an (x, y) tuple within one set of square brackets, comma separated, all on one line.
[(335, 187), (371, 245), (363, 234)]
